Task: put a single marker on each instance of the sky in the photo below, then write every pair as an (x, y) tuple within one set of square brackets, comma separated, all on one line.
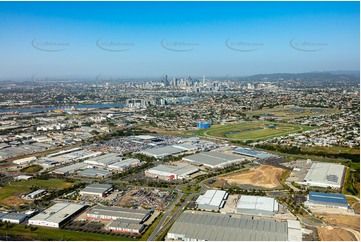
[(152, 39)]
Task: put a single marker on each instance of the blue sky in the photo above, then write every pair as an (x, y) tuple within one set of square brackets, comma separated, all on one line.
[(150, 39)]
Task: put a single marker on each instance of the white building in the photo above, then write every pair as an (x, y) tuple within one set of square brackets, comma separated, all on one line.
[(212, 200), (57, 215), (256, 205), (104, 160), (35, 194), (25, 161), (124, 164), (322, 174), (167, 172), (99, 190)]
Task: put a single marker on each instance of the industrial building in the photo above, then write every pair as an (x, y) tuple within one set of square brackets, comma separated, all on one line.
[(70, 169), (126, 226), (25, 161), (169, 150), (213, 159), (94, 173), (57, 215), (322, 174), (124, 164), (212, 200), (256, 205), (15, 218), (203, 125), (104, 160), (35, 194), (221, 227), (114, 213), (252, 153), (316, 199), (100, 190), (294, 230), (167, 172)]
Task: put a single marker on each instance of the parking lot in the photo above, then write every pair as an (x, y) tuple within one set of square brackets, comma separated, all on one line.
[(300, 169)]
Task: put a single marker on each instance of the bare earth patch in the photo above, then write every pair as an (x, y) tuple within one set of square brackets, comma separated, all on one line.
[(263, 176), (352, 222), (334, 234), (13, 201)]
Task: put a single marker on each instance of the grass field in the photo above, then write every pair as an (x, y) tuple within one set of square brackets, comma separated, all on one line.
[(290, 112), (10, 194), (57, 234), (32, 169), (258, 130)]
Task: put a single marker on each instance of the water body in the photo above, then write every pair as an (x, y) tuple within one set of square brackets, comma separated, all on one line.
[(52, 108)]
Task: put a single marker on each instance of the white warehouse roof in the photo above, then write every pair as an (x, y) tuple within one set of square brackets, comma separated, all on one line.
[(212, 197), (257, 203), (325, 174)]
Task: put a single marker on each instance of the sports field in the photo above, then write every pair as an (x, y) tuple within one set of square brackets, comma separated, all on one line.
[(258, 130), (10, 194), (290, 112)]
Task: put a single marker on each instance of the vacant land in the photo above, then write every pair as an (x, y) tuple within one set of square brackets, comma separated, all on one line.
[(355, 204), (258, 130), (32, 169), (334, 234), (352, 222), (290, 112), (10, 194), (264, 176), (56, 234)]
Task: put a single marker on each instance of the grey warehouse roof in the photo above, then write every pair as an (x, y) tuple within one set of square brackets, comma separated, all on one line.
[(213, 159), (97, 188), (180, 170), (221, 227), (257, 203), (212, 197), (58, 212), (124, 213), (94, 172)]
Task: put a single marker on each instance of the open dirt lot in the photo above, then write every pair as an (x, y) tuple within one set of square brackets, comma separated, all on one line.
[(352, 222), (264, 176), (334, 234)]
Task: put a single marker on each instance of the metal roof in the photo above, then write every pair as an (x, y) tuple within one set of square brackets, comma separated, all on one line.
[(216, 227), (328, 198), (124, 163), (58, 212), (97, 188), (252, 153), (125, 224), (163, 151), (325, 173), (213, 159), (167, 170), (212, 197), (105, 159), (71, 168), (94, 172), (257, 203), (120, 213), (13, 216)]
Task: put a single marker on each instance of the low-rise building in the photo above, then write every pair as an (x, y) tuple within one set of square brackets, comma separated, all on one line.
[(257, 205), (100, 190), (167, 172), (331, 200), (212, 200)]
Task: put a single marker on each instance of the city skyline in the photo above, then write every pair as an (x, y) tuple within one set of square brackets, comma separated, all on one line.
[(125, 39)]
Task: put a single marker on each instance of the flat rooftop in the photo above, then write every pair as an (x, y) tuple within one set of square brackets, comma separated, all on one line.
[(123, 213), (94, 173), (221, 227), (212, 197), (179, 170), (328, 198), (58, 212), (257, 203), (163, 151), (252, 153), (325, 173), (212, 158), (97, 188)]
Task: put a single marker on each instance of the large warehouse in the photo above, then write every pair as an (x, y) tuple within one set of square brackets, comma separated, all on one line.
[(167, 172), (57, 215), (316, 199), (252, 153), (100, 190), (213, 159), (70, 169), (113, 213), (104, 160), (126, 226), (221, 227), (169, 150), (124, 164), (256, 205), (322, 174), (212, 200)]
